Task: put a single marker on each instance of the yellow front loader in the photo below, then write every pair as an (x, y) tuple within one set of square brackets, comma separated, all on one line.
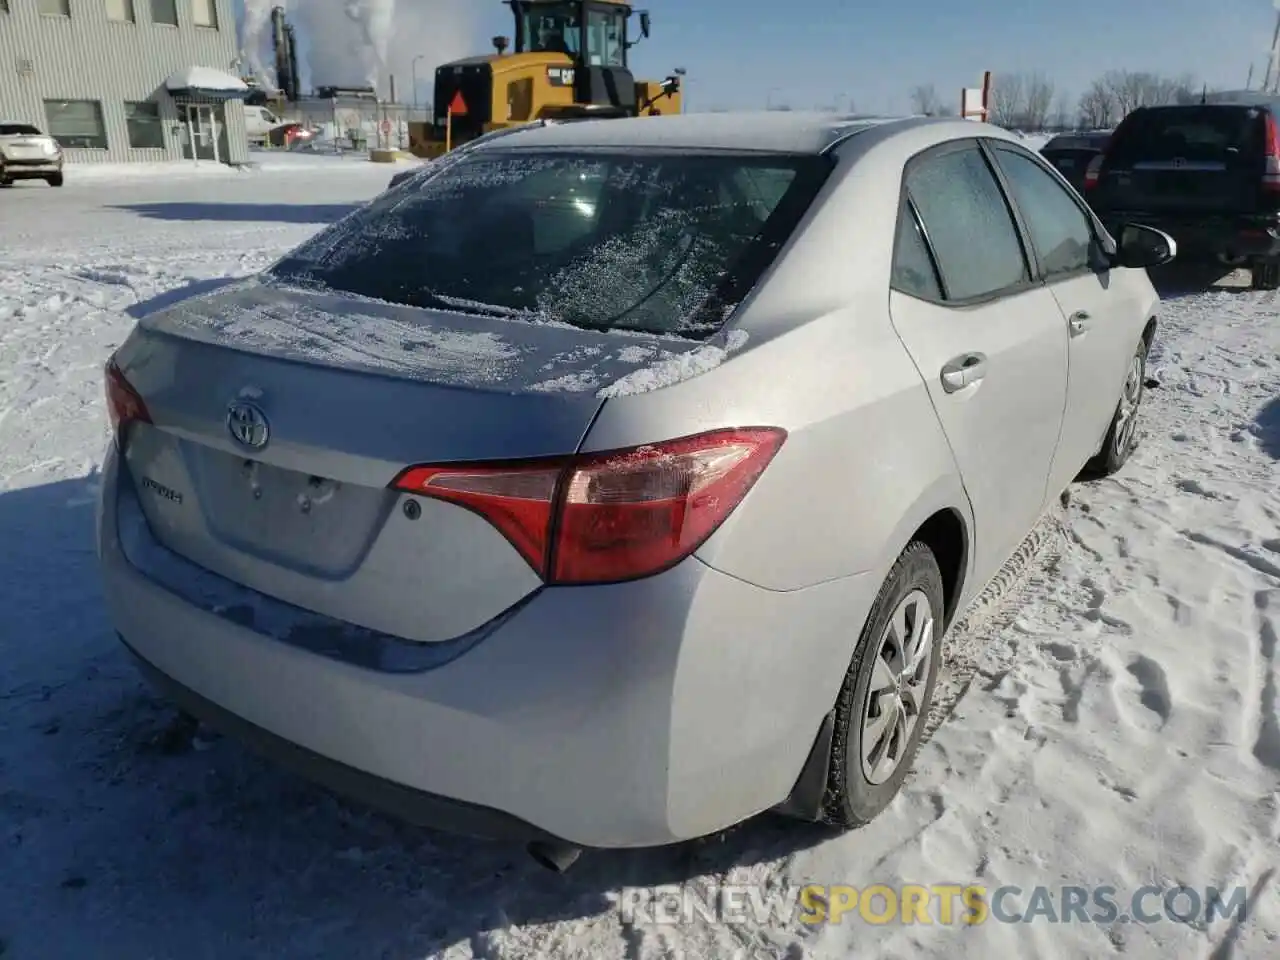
[(569, 61)]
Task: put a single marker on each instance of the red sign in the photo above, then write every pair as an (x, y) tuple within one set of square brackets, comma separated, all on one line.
[(458, 106)]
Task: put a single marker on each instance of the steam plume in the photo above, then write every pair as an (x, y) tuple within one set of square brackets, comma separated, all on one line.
[(365, 42)]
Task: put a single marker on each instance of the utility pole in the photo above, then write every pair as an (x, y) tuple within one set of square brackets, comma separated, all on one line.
[(1271, 83), (413, 70)]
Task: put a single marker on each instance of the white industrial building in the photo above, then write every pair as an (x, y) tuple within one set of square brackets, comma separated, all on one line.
[(124, 81)]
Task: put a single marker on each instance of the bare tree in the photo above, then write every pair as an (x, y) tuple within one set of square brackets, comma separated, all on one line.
[(1097, 106), (1188, 90), (1117, 93), (1008, 101), (925, 100), (1039, 90), (1061, 118)]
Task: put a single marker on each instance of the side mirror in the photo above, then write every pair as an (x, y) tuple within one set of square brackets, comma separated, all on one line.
[(644, 24), (1140, 247)]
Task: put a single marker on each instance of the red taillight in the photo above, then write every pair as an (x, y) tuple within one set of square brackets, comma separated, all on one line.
[(1271, 172), (123, 403), (603, 518), (1093, 172)]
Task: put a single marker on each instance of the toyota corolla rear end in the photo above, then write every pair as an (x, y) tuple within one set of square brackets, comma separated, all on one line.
[(361, 512)]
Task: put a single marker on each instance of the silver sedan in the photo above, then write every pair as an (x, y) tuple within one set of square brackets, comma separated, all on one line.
[(618, 481)]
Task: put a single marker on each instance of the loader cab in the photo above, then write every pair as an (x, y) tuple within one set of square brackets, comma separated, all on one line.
[(593, 35)]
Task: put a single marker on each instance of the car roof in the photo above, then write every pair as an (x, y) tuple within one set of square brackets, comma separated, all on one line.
[(1092, 138), (1211, 105), (771, 131)]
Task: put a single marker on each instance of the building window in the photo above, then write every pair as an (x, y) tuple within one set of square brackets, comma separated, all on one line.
[(146, 132), (164, 11), (54, 8), (120, 10), (76, 123), (4, 6), (204, 13)]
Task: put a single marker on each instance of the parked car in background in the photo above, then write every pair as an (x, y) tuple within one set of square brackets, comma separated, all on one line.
[(26, 153), (606, 489), (259, 122), (290, 133), (1071, 153), (1207, 174)]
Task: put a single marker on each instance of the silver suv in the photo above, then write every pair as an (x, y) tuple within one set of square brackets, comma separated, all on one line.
[(28, 154)]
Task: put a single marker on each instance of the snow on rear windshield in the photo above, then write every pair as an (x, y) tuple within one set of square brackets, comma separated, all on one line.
[(657, 243)]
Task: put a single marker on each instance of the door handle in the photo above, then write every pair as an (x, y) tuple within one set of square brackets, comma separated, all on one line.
[(963, 371), (1078, 322)]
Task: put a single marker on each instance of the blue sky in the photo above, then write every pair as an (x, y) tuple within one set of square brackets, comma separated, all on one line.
[(809, 53)]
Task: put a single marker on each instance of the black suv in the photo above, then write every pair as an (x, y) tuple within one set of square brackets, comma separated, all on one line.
[(1208, 175), (1071, 153)]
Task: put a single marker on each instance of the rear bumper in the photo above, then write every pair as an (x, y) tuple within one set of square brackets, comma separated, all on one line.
[(626, 715), (413, 806), (1242, 236)]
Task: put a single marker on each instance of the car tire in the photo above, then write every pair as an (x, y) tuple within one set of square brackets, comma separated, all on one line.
[(54, 180), (884, 702), (1266, 275), (5, 180), (1122, 432)]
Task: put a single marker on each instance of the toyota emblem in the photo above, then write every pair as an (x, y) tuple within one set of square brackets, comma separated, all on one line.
[(248, 425)]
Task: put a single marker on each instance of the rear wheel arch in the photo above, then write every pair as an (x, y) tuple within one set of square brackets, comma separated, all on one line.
[(947, 538), (1149, 332), (945, 532), (942, 519)]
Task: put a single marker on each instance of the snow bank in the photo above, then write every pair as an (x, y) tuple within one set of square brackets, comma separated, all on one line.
[(263, 161)]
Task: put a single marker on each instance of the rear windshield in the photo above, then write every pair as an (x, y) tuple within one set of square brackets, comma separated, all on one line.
[(663, 243), (1069, 159), (18, 130), (1192, 134)]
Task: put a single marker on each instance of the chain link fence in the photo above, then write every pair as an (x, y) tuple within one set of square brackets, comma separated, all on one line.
[(355, 125)]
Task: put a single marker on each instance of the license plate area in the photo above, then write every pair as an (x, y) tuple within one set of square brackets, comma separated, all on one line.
[(299, 520)]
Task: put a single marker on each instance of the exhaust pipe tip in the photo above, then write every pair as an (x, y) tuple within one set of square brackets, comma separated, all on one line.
[(556, 857)]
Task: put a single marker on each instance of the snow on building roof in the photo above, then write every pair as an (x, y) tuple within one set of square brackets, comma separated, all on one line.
[(206, 80)]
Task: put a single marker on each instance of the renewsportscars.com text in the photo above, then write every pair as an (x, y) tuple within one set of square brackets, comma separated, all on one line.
[(942, 904)]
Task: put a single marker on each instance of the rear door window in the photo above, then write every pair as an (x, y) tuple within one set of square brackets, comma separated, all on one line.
[(1061, 233), (968, 222), (913, 270)]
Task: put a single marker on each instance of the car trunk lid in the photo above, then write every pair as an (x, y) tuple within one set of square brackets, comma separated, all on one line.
[(280, 416)]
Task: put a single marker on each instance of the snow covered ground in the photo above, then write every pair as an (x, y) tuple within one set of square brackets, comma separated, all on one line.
[(1121, 727)]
